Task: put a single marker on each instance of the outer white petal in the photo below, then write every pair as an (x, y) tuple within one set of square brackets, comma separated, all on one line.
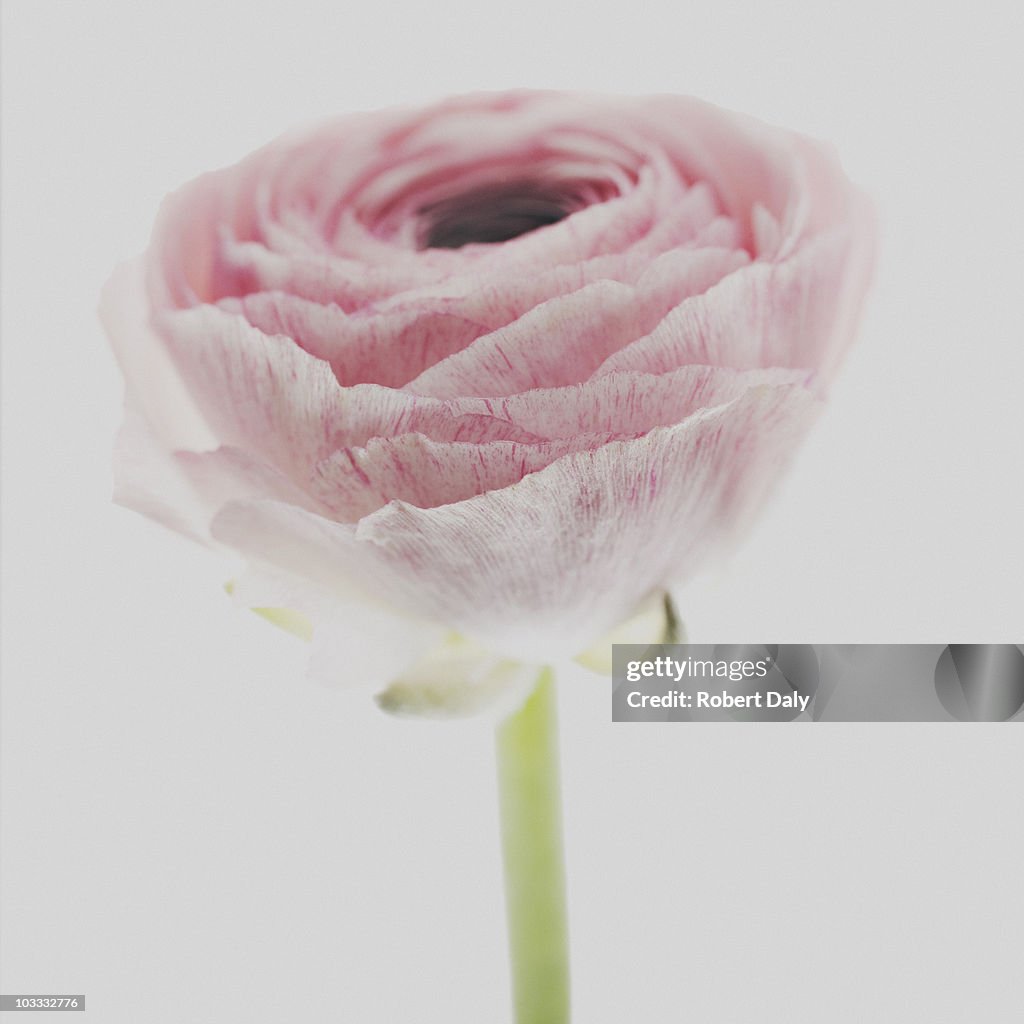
[(459, 678), (148, 480), (357, 642), (160, 414), (649, 624), (153, 386)]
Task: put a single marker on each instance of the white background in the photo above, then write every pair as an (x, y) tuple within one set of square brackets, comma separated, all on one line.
[(188, 820)]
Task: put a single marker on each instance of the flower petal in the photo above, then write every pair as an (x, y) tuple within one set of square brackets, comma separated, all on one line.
[(549, 564), (411, 468), (263, 394), (154, 388), (797, 313), (565, 340), (456, 679), (625, 403)]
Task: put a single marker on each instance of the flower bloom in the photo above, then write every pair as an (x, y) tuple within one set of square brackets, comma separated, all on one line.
[(506, 365)]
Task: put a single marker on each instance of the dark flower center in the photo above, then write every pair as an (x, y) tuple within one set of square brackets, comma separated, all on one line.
[(494, 213)]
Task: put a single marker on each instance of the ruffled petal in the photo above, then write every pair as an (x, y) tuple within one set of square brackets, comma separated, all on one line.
[(625, 403), (411, 468), (798, 313), (555, 560), (565, 340)]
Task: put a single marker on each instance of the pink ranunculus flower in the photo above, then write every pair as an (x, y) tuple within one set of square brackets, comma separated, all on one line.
[(504, 366)]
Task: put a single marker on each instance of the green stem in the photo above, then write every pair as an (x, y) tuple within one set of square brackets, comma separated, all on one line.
[(534, 869)]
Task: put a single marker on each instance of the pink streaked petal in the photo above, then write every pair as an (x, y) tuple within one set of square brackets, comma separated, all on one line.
[(790, 314), (565, 340), (411, 468), (627, 403), (263, 394), (259, 392), (389, 348), (327, 278), (555, 560), (356, 481), (561, 336)]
